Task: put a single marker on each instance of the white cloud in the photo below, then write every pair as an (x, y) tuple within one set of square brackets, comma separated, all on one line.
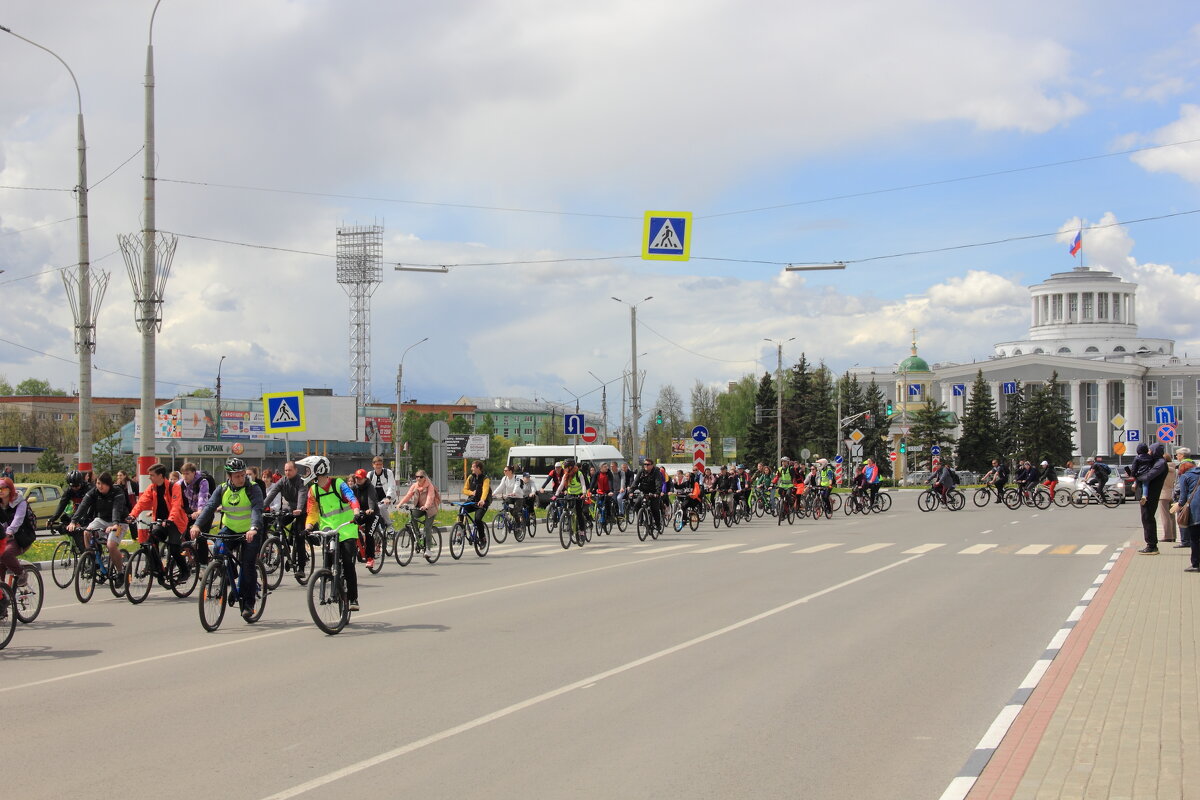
[(1182, 160)]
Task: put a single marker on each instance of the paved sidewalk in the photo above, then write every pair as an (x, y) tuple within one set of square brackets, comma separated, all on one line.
[(1120, 716)]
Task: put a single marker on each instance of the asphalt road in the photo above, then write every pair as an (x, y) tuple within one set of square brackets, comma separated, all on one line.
[(620, 670)]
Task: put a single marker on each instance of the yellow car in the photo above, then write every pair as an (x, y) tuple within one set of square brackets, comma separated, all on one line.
[(42, 498)]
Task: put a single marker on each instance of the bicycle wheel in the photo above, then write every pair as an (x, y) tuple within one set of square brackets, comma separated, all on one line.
[(116, 580), (482, 543), (981, 497), (1012, 499), (1079, 498), (271, 558), (622, 522), (458, 540), (180, 586), (328, 605), (403, 545), (566, 531), (62, 564), (433, 547), (885, 501), (376, 536), (926, 501), (8, 618), (677, 520), (518, 530), (85, 578), (30, 596), (552, 515), (956, 500), (641, 526), (310, 561), (1041, 498), (835, 501), (500, 528), (849, 507), (214, 591), (693, 519), (260, 594), (655, 526), (1062, 498), (138, 578)]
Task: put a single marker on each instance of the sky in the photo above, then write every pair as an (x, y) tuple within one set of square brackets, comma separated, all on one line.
[(533, 131)]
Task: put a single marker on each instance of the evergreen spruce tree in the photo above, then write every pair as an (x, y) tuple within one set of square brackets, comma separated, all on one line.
[(875, 444), (928, 427), (797, 391), (981, 439), (821, 417), (1047, 424), (1013, 426), (760, 436)]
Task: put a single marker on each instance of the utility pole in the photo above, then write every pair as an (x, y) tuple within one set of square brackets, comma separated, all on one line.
[(779, 343), (635, 393), (149, 307), (218, 419)]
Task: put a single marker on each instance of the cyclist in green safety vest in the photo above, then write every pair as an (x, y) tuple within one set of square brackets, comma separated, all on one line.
[(241, 504), (331, 504), (825, 483), (574, 483)]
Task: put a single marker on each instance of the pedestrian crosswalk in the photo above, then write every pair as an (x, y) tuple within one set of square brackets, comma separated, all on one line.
[(852, 548)]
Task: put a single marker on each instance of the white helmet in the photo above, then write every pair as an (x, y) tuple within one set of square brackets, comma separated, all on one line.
[(1045, 463), (313, 467)]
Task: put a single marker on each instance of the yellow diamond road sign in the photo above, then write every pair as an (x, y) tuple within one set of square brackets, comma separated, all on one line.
[(857, 436), (1118, 421)]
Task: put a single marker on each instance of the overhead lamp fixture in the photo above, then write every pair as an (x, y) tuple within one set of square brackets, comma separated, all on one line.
[(402, 268), (814, 267)]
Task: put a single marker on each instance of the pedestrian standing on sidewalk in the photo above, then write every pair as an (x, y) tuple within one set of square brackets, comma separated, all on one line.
[(1189, 478), (1165, 518), (1184, 457), (1150, 471)]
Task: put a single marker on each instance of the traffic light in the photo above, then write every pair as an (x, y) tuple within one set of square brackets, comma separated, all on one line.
[(658, 417), (903, 448), (889, 409)]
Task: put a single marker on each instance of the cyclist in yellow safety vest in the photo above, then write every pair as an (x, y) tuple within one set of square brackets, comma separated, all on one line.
[(241, 504), (331, 504), (825, 483), (574, 483)]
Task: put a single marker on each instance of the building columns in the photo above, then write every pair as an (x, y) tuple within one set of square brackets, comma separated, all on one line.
[(1077, 417), (1135, 414), (1103, 443)]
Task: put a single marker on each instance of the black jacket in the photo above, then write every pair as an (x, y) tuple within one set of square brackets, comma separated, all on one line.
[(291, 489), (112, 506)]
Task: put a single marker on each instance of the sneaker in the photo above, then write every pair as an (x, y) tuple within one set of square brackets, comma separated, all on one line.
[(1181, 545), (23, 579), (354, 605), (1149, 551), (1192, 569), (370, 563), (247, 614)]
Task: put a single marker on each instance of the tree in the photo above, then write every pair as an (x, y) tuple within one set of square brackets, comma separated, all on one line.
[(982, 438), (875, 431), (735, 412), (205, 392), (488, 425), (1012, 428), (460, 425), (6, 389), (658, 437), (107, 455), (704, 412), (760, 434), (1047, 424), (50, 461), (37, 386), (930, 426)]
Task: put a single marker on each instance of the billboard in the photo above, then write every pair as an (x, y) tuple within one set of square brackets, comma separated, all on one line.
[(376, 426), (468, 445), (243, 425), (174, 423)]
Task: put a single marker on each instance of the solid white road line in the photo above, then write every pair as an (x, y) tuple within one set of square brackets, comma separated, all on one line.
[(976, 549), (440, 736), (770, 547), (260, 636), (1035, 674), (924, 548), (871, 548), (1032, 549), (719, 547), (596, 550), (816, 548), (1056, 641), (1091, 550), (999, 727)]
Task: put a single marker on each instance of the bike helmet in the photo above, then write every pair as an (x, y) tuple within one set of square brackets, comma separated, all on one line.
[(75, 478), (312, 467), (1045, 463), (558, 465), (569, 462), (235, 465)]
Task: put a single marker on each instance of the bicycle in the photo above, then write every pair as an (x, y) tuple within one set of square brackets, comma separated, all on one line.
[(554, 514), (786, 505), (146, 566), (66, 554), (569, 531), (95, 566), (681, 515), (8, 617), (328, 600), (605, 514), (721, 510), (931, 499), (278, 555), (1034, 497), (857, 503), (984, 495), (645, 522), (881, 503), (464, 531), (506, 521), (375, 532), (1087, 494), (27, 596), (221, 583), (409, 539)]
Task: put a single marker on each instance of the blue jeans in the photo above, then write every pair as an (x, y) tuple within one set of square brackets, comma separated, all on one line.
[(247, 561)]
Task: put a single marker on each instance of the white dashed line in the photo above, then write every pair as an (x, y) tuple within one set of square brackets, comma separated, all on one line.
[(871, 548), (924, 548), (1032, 549), (816, 548), (976, 549), (768, 548)]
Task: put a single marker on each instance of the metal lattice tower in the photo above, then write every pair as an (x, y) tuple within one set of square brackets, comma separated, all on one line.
[(359, 251)]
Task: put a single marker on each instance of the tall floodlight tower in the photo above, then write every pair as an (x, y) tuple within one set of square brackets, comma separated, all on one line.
[(359, 251)]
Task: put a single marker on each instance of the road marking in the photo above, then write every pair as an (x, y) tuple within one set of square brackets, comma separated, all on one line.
[(1032, 549), (1091, 550), (998, 728), (985, 533), (390, 755), (1007, 549), (1039, 669), (1076, 613), (1056, 641), (260, 636), (1090, 594), (923, 548), (816, 548), (1063, 550), (1015, 522), (672, 547), (595, 550), (769, 547), (718, 547), (976, 549), (871, 548)]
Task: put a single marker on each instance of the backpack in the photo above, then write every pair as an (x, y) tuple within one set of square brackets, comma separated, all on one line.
[(209, 480), (1101, 469)]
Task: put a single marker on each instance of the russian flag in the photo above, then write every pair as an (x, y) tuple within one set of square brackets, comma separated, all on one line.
[(1077, 245)]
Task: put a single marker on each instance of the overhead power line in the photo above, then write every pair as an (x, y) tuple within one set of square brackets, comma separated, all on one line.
[(98, 369), (693, 352)]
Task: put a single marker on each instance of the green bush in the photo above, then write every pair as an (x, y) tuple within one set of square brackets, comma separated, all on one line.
[(56, 478)]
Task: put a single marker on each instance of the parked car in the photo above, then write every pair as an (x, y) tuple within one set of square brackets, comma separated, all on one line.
[(919, 477), (42, 498)]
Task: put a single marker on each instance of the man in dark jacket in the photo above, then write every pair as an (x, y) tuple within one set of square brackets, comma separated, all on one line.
[(369, 505), (102, 512), (294, 494), (1150, 471)]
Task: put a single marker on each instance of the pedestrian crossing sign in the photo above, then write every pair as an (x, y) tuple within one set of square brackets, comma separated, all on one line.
[(284, 412), (667, 236)]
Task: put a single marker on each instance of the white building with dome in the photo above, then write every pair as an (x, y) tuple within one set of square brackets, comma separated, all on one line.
[(1083, 325)]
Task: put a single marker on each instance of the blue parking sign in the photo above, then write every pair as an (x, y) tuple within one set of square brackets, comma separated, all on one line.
[(1133, 435)]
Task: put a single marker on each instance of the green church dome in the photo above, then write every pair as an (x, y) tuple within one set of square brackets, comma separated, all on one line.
[(913, 364)]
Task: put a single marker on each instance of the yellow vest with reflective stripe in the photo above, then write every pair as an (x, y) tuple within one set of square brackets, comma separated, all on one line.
[(235, 508), (334, 509)]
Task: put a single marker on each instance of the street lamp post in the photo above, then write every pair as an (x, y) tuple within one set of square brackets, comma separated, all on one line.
[(779, 343), (149, 261), (635, 393), (217, 421), (85, 327), (399, 432)]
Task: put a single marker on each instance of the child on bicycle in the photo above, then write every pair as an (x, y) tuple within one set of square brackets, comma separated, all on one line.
[(332, 504)]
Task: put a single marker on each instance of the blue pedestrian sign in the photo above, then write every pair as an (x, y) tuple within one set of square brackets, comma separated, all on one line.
[(667, 235), (960, 389), (936, 450), (1133, 435), (573, 424), (1009, 387), (700, 433), (284, 412), (1164, 415)]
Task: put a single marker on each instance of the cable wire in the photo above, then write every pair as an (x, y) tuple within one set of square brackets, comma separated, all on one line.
[(98, 369), (34, 188), (114, 172), (43, 225), (693, 352), (57, 269)]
